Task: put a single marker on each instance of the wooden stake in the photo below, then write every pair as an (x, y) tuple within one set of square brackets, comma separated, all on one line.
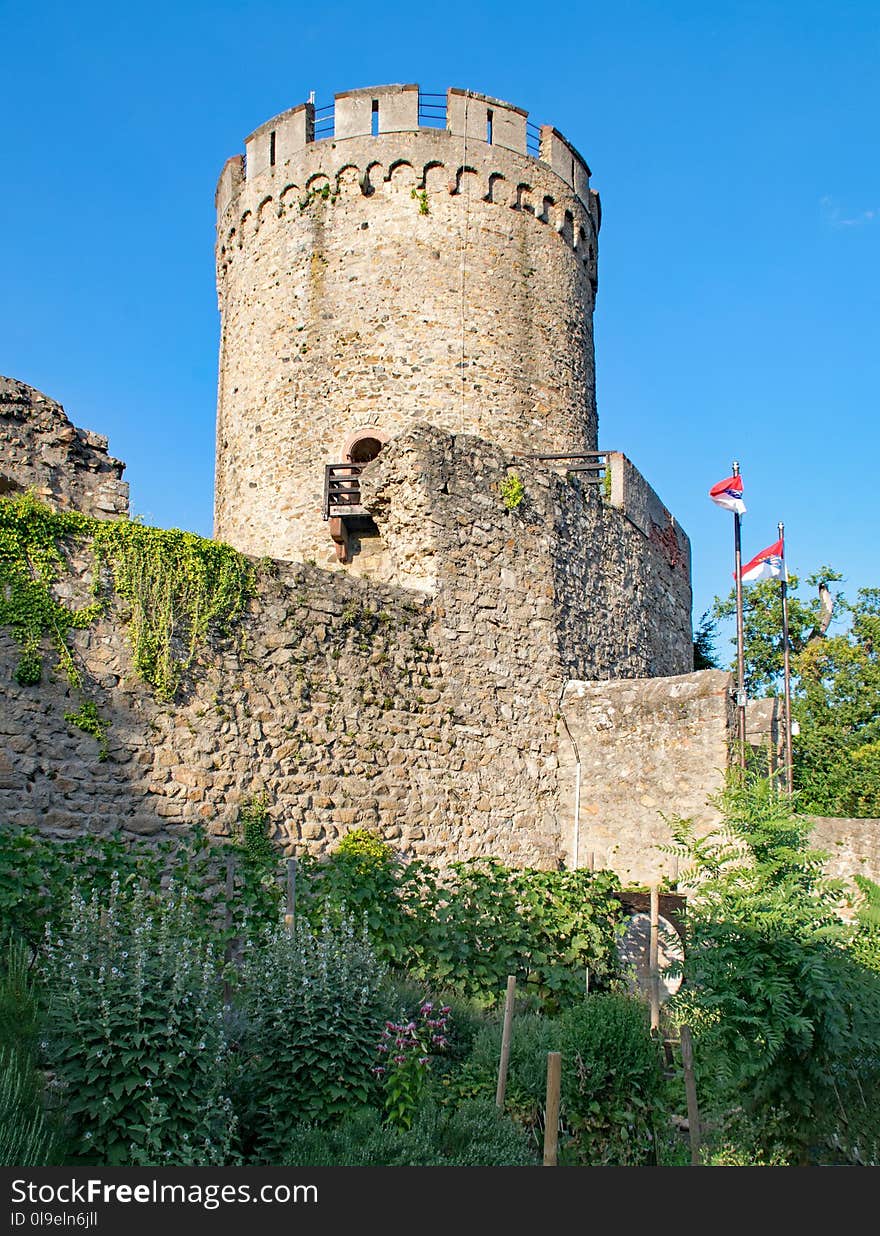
[(290, 915), (551, 1118), (690, 1089), (505, 1041), (653, 966)]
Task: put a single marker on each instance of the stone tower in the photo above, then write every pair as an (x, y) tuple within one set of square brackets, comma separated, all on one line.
[(399, 258)]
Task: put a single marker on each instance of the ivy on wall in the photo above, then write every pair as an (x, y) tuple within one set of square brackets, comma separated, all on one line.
[(175, 588)]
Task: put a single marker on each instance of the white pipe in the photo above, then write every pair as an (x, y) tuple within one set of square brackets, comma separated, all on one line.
[(577, 813)]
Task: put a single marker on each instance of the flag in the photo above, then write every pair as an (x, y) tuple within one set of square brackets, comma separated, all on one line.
[(729, 494), (768, 564)]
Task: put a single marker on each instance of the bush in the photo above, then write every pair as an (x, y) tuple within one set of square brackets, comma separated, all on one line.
[(475, 1134), (784, 1015), (612, 1082), (532, 1036), (311, 1018), (25, 1137), (466, 930), (135, 1031)]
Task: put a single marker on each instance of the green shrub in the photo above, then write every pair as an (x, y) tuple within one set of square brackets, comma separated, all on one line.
[(310, 1009), (532, 1036), (475, 1134), (464, 931), (135, 1033), (25, 1138), (784, 1014), (612, 1082)]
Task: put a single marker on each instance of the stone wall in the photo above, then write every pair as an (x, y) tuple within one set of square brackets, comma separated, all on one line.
[(419, 275), (852, 846), (67, 467), (646, 747), (428, 711)]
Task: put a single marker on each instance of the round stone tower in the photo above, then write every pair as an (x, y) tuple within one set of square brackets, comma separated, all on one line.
[(396, 258)]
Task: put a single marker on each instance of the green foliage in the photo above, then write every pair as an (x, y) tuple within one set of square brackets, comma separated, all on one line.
[(866, 941), (310, 1020), (89, 720), (406, 1049), (532, 1036), (473, 1134), (835, 688), (25, 1137), (32, 539), (135, 1033), (704, 644), (466, 931), (512, 491), (421, 196), (612, 1087), (612, 1083), (784, 1017), (178, 587)]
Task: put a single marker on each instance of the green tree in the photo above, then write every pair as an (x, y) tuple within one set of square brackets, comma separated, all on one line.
[(785, 1014), (835, 685)]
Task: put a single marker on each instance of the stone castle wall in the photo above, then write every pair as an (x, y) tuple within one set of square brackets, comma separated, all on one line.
[(41, 449), (418, 275)]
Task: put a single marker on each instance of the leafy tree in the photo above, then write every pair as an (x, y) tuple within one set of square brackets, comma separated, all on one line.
[(784, 1013), (705, 635), (835, 687)]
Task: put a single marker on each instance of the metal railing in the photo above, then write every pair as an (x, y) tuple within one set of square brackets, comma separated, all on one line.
[(590, 465), (325, 122), (432, 110), (342, 489), (533, 139)]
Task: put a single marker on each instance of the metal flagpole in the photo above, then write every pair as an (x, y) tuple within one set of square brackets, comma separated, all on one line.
[(740, 655), (783, 585)]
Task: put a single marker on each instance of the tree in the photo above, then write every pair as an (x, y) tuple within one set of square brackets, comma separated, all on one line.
[(784, 1009), (835, 686)]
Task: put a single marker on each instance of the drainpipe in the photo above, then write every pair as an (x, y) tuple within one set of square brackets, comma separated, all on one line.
[(576, 840)]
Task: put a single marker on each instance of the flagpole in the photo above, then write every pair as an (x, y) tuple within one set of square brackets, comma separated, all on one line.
[(740, 637), (783, 586)]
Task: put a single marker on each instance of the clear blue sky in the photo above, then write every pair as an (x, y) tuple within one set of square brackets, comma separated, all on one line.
[(735, 147)]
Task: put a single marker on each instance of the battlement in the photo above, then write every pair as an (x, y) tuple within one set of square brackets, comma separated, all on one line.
[(378, 111)]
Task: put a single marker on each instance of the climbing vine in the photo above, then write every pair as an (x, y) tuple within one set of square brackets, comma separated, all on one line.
[(32, 537), (177, 588)]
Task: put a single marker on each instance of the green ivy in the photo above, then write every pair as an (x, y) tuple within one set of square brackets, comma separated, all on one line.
[(178, 588)]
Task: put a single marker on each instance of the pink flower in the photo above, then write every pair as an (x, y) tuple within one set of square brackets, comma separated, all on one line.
[(400, 1059), (378, 1070)]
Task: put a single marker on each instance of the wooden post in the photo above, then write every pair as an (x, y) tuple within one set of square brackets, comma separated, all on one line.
[(290, 915), (690, 1088), (551, 1117), (653, 967), (587, 984), (505, 1041)]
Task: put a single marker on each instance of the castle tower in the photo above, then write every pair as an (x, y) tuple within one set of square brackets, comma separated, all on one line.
[(399, 258)]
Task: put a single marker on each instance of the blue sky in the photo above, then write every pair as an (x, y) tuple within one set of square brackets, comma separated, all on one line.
[(735, 147)]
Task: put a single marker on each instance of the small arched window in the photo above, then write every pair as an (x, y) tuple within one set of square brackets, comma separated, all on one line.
[(364, 445)]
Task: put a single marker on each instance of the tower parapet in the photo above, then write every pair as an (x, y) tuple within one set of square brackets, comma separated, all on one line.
[(376, 271)]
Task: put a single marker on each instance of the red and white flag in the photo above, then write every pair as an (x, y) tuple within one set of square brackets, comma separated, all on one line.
[(768, 564), (729, 494)]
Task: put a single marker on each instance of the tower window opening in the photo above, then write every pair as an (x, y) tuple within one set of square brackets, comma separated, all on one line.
[(374, 119), (363, 450), (272, 148), (489, 127), (572, 171)]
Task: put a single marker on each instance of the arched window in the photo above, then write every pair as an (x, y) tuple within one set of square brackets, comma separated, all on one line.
[(364, 445)]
